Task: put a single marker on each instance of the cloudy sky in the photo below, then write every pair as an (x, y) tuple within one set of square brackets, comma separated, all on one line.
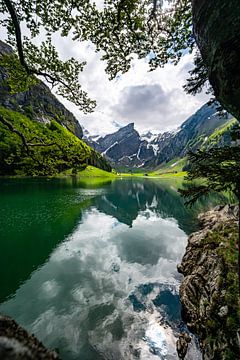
[(152, 100)]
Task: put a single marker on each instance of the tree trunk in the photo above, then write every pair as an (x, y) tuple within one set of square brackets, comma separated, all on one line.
[(217, 32)]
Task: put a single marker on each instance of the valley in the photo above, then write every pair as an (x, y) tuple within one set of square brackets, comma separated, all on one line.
[(126, 149)]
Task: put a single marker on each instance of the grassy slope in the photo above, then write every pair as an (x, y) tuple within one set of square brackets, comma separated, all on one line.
[(92, 172), (173, 168), (215, 137), (66, 152)]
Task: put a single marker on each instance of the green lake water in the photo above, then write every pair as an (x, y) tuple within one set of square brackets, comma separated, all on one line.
[(90, 267)]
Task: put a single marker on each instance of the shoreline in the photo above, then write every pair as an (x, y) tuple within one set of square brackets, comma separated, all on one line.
[(209, 289)]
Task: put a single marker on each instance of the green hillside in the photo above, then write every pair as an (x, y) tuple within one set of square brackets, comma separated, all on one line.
[(49, 148), (221, 135)]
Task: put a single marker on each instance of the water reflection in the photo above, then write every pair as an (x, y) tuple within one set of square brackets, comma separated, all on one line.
[(128, 197), (105, 284), (90, 280)]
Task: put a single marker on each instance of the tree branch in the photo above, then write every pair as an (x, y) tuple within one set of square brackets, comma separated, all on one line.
[(26, 144), (18, 34)]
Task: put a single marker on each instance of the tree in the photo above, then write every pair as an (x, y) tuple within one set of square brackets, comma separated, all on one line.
[(219, 170), (119, 29), (157, 29)]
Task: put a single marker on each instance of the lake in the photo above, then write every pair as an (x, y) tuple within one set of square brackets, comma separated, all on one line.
[(90, 267)]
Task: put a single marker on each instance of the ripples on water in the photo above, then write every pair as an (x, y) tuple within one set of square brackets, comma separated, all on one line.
[(103, 284)]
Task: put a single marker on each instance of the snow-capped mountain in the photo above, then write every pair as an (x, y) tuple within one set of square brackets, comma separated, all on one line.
[(126, 147)]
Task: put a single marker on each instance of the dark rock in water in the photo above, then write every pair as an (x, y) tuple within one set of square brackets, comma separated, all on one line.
[(115, 267), (136, 352), (17, 344)]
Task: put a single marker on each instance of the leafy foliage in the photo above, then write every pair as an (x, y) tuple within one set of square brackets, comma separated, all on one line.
[(218, 167), (198, 77), (50, 148), (156, 29)]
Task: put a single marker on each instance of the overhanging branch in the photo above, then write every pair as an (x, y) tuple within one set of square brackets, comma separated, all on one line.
[(26, 144)]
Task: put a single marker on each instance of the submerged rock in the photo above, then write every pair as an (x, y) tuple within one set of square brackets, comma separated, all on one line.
[(209, 291), (17, 344)]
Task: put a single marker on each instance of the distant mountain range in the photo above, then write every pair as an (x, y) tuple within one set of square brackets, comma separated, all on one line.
[(127, 148)]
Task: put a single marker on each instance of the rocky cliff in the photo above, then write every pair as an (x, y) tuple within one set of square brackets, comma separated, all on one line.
[(209, 291), (216, 28), (38, 103)]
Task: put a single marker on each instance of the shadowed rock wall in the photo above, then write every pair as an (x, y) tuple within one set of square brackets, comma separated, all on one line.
[(217, 32)]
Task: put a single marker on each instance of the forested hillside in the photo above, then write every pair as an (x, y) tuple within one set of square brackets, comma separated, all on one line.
[(31, 148), (37, 102), (38, 135)]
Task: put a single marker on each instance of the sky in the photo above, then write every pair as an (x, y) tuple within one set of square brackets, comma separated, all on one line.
[(153, 101)]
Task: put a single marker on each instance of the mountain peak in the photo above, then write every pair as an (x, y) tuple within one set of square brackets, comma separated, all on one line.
[(126, 147), (129, 126)]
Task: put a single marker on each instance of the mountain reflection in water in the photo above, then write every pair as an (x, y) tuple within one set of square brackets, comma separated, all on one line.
[(93, 269)]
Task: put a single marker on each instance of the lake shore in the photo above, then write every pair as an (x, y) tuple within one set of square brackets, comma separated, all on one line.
[(209, 290)]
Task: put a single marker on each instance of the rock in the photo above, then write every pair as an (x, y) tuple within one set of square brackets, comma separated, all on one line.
[(203, 292), (182, 345), (126, 147), (115, 267), (223, 311), (17, 344), (216, 29)]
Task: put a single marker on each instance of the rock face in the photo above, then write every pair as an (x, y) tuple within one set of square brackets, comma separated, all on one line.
[(217, 28), (38, 103), (17, 344), (191, 135), (209, 290), (120, 147), (127, 148)]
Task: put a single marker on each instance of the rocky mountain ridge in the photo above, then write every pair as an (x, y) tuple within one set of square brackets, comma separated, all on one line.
[(127, 148), (37, 102)]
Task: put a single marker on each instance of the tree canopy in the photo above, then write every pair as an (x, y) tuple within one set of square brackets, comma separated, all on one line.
[(217, 168), (154, 29)]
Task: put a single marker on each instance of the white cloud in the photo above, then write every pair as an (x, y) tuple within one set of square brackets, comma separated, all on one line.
[(162, 104)]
